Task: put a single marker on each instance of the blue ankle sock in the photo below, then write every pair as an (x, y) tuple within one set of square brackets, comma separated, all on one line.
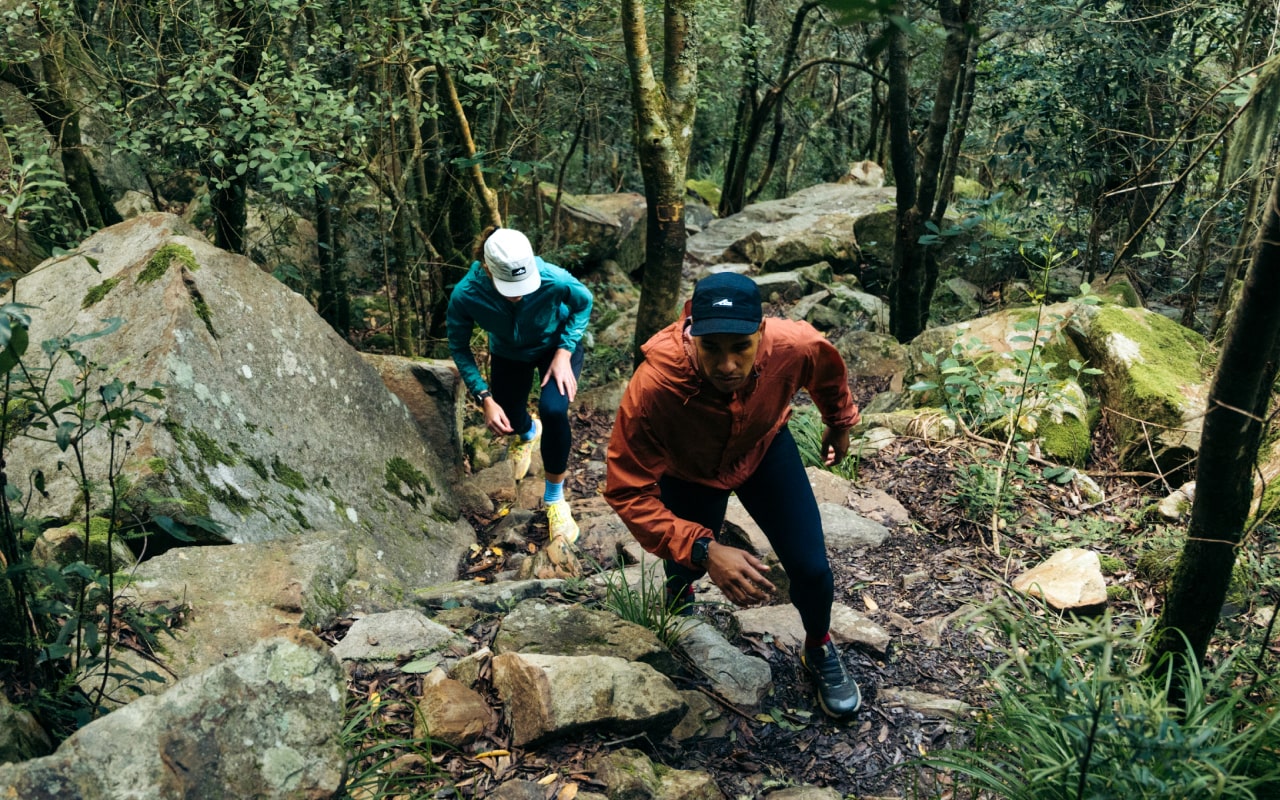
[(554, 492), (529, 434)]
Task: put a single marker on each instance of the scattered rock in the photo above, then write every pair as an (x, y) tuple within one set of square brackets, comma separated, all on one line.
[(1071, 580), (930, 705), (264, 724), (380, 640), (546, 697), (1178, 504)]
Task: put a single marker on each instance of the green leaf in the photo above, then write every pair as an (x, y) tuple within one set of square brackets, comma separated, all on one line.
[(421, 665)]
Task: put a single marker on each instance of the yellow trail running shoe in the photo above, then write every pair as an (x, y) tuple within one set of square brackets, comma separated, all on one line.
[(560, 521), (521, 452)]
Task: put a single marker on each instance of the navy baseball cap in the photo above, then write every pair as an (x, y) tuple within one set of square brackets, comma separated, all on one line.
[(726, 302)]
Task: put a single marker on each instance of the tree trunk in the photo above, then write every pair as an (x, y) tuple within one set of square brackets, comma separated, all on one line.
[(229, 189), (488, 199), (1237, 256), (49, 100), (747, 101), (770, 106), (955, 17), (664, 127), (333, 303), (1233, 424), (907, 277)]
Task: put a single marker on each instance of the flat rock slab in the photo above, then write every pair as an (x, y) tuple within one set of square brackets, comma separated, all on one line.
[(392, 635), (782, 623), (929, 705)]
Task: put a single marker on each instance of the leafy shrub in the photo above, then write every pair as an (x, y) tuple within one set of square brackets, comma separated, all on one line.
[(1077, 716)]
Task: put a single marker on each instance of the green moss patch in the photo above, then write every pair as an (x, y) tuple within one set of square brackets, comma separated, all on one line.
[(257, 466), (163, 257), (98, 292), (288, 476), (202, 311), (1066, 442), (405, 481), (232, 499), (1171, 355), (209, 449), (1110, 564)]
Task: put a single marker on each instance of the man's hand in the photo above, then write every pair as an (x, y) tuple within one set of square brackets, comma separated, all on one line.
[(835, 445), (739, 574), (562, 372), (495, 419)]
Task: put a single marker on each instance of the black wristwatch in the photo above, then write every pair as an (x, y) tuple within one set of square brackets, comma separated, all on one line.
[(701, 548), (483, 395)]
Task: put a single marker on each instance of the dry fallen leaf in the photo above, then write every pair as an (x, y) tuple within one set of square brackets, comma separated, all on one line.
[(568, 792), (870, 603)]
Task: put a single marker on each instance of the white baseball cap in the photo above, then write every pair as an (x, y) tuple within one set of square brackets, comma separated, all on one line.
[(509, 257)]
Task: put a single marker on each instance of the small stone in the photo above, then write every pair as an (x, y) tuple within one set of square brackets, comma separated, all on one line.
[(1070, 580)]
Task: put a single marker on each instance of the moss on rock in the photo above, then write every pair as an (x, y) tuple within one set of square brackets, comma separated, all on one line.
[(96, 293), (1066, 441), (405, 481), (1168, 358), (163, 257), (288, 476), (209, 450)]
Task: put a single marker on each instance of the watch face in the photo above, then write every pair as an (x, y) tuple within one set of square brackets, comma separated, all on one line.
[(700, 547)]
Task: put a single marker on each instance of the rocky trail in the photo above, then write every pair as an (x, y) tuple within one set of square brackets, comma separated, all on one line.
[(929, 570)]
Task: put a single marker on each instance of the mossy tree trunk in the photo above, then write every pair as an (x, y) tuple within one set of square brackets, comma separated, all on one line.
[(1233, 425), (664, 115)]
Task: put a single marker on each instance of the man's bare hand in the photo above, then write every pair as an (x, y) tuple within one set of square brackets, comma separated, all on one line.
[(739, 574), (835, 445)]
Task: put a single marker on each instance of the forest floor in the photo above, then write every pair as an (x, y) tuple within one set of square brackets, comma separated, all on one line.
[(877, 753)]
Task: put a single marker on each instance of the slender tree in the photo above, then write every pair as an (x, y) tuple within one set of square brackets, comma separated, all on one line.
[(664, 114), (1233, 425), (915, 270)]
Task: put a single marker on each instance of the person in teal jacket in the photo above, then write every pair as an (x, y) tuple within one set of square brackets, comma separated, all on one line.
[(535, 315)]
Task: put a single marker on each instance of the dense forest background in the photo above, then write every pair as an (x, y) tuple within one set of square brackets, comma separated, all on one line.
[(1106, 130)]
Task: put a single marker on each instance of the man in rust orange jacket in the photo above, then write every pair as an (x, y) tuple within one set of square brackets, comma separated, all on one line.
[(706, 415)]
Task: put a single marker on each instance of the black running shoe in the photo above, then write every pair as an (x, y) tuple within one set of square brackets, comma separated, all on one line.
[(837, 692)]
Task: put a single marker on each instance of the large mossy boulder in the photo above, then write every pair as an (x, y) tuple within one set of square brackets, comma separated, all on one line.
[(1154, 383), (271, 424)]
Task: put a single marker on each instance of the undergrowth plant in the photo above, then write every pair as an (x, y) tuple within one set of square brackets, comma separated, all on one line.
[(384, 760), (646, 603), (1008, 395), (808, 429), (1077, 716), (63, 615)]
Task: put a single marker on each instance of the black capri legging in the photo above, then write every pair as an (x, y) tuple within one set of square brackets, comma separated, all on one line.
[(780, 500), (510, 381)]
